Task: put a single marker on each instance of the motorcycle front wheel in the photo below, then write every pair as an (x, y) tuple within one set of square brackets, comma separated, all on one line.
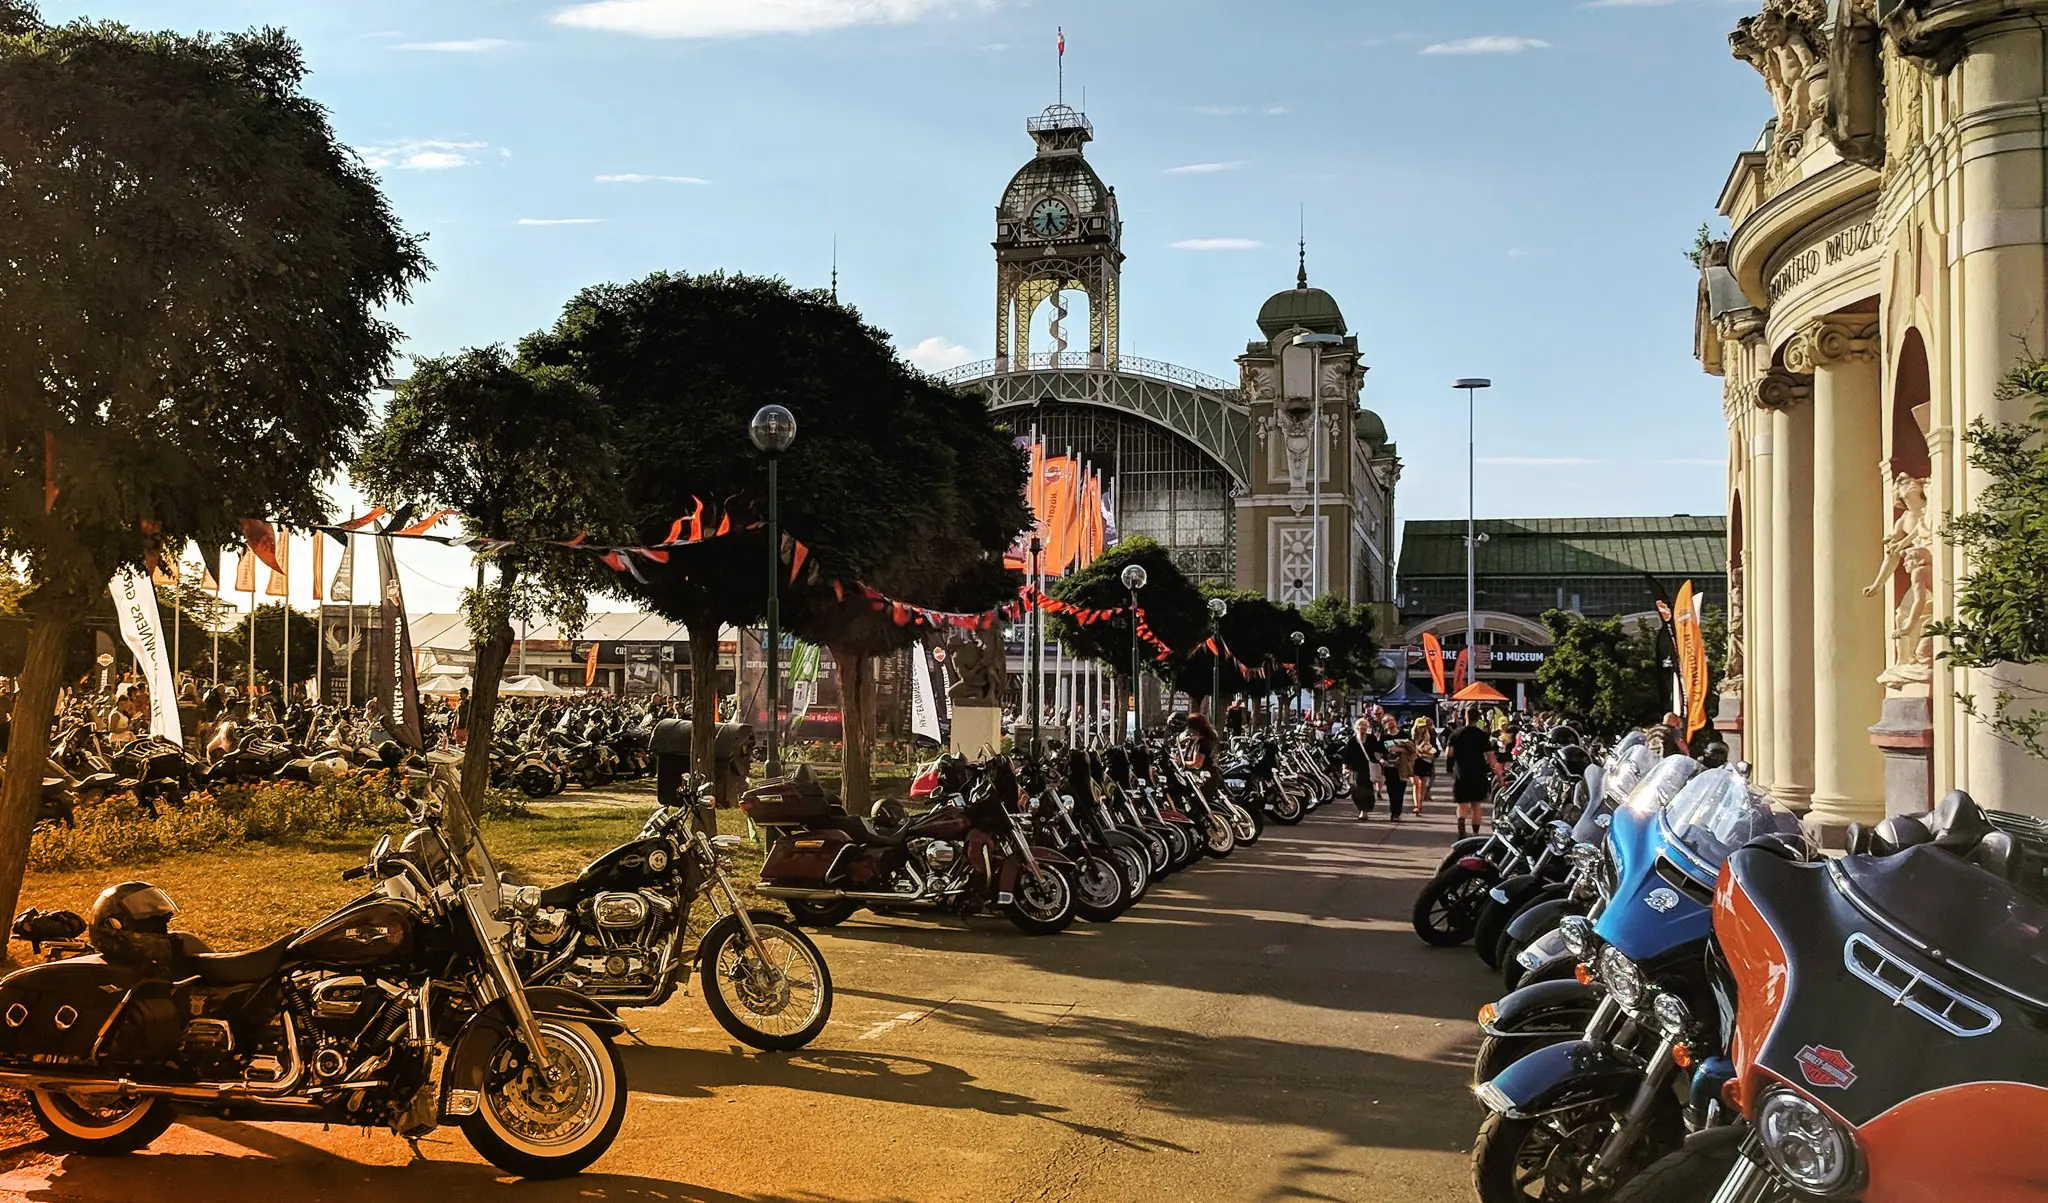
[(83, 1125), (1218, 840), (1286, 809), (1448, 908), (1544, 1159), (1694, 1174), (776, 1005), (528, 1125), (1245, 825), (1042, 908), (536, 785), (1136, 870), (1101, 894)]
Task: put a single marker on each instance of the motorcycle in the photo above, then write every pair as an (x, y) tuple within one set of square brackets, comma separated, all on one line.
[(1450, 905), (402, 1009), (1580, 1117), (616, 933), (968, 854), (1883, 1019)]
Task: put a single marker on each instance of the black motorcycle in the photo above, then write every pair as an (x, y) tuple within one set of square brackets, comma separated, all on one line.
[(618, 932), (403, 1009)]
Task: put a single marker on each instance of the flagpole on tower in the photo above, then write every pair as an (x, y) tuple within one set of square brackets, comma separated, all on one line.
[(1063, 65)]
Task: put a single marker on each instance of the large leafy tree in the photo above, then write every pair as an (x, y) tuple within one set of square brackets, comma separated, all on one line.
[(189, 317), (1175, 612), (1601, 676), (1346, 629), (873, 485), (522, 453)]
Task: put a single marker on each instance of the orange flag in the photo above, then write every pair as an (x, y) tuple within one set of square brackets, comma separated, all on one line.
[(245, 573), (319, 563), (1433, 655), (1692, 658), (280, 579)]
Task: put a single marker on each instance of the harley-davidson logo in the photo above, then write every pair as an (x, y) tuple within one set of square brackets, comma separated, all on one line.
[(1661, 901), (1826, 1067)]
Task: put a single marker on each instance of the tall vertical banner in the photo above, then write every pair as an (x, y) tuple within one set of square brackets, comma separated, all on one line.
[(1433, 655), (391, 676), (142, 630), (344, 587), (924, 708), (803, 681)]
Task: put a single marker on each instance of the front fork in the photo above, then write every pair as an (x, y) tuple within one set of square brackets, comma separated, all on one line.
[(1656, 1080), (732, 899)]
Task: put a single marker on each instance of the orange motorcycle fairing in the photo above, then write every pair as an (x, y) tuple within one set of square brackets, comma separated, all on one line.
[(1981, 1142)]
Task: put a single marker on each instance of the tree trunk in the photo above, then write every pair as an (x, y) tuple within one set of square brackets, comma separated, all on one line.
[(856, 729), (703, 707), (491, 656), (28, 745)]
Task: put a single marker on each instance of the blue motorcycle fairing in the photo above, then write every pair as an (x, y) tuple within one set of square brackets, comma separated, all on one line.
[(1546, 1007), (1562, 1073), (1648, 917)]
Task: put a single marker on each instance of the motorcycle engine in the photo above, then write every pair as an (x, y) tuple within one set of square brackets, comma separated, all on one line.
[(940, 857), (618, 933)]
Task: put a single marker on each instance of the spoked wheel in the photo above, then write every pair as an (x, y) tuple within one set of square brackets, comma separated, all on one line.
[(1286, 809), (536, 1126), (1545, 1159), (1448, 908), (1218, 840), (101, 1125), (1041, 907), (1100, 892), (775, 1003)]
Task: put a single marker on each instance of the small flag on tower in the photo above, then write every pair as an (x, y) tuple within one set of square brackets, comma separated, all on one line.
[(1063, 42)]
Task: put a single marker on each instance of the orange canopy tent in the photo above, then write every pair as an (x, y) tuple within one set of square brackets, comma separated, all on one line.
[(1479, 691)]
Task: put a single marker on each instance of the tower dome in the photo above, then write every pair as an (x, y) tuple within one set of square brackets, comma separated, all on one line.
[(1301, 307)]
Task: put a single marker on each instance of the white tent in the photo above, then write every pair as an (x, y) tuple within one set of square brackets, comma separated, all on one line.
[(528, 687), (446, 686)]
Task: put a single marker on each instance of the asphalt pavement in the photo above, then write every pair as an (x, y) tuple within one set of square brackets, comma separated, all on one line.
[(1265, 1027)]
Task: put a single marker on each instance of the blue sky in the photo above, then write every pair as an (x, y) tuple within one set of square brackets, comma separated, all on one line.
[(1493, 187)]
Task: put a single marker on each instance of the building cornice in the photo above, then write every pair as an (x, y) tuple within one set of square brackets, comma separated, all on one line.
[(1781, 218)]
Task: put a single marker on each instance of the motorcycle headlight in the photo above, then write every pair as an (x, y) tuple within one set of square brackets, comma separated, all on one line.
[(1624, 981), (1672, 1016), (1805, 1144), (1577, 933)]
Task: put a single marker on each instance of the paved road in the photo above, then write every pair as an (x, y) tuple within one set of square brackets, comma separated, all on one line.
[(1262, 1028)]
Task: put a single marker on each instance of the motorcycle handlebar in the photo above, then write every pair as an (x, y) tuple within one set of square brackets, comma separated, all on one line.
[(358, 871)]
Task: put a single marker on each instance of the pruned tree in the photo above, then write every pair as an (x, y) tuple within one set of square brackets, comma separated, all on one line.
[(189, 324), (523, 453), (1346, 628)]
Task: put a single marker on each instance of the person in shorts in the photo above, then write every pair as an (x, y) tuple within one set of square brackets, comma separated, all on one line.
[(1470, 754)]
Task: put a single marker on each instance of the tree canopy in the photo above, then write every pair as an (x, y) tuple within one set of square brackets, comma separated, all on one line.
[(1601, 676), (190, 324), (1175, 611)]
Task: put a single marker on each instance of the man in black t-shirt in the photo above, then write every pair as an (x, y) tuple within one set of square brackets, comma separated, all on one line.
[(1470, 754)]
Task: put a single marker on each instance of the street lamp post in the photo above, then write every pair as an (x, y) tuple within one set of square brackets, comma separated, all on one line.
[(1315, 343), (1034, 646), (1134, 578), (1472, 385), (1322, 658), (773, 430), (1217, 609)]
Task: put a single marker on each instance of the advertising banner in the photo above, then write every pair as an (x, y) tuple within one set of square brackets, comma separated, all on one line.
[(142, 630)]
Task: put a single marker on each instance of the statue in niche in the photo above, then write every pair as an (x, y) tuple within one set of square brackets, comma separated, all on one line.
[(1788, 46), (1909, 567), (980, 665)]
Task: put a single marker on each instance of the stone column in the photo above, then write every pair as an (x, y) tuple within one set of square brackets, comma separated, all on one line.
[(1789, 397), (1758, 581), (1848, 628)]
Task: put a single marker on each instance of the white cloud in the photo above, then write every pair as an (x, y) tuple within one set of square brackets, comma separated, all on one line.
[(1487, 45), (635, 177), (420, 154), (1538, 461), (1219, 110), (937, 354), (462, 46), (1277, 110), (1206, 168), (560, 221), (1217, 244), (742, 18)]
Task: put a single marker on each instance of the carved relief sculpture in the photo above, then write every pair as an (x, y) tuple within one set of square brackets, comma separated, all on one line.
[(1788, 46), (1908, 569), (980, 665)]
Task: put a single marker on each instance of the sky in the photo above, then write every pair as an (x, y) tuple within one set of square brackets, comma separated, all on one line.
[(1499, 188)]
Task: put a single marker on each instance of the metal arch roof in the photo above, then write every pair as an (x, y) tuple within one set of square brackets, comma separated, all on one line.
[(1201, 409), (1680, 545)]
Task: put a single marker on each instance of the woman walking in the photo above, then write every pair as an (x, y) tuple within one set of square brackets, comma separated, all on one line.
[(1399, 763), (1362, 754), (1423, 736)]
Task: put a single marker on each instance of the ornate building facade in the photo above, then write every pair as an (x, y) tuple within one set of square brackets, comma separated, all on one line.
[(1887, 263), (1282, 484)]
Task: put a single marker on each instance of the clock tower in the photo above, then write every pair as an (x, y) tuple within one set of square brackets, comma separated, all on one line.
[(1057, 231)]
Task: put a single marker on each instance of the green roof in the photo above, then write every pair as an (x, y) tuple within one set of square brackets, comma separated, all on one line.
[(1682, 545), (1312, 309)]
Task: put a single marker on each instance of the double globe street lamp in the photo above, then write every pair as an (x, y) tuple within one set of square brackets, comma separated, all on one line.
[(1217, 609), (773, 430)]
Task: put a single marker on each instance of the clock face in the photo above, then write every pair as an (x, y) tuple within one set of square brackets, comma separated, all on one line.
[(1050, 218)]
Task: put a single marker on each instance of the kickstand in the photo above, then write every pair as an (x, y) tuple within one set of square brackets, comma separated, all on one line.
[(414, 1142), (635, 1034)]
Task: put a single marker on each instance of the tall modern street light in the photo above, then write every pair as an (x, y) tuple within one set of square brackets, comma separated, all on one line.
[(1217, 609), (1135, 578), (773, 430), (1472, 385), (1294, 681), (1322, 658), (1315, 343)]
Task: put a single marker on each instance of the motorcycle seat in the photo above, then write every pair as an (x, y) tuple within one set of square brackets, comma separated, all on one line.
[(240, 968), (96, 781)]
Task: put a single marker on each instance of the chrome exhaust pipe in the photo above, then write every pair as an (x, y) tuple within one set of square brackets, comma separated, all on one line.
[(272, 1092), (807, 894)]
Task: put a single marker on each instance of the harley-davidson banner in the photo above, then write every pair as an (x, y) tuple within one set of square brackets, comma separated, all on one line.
[(392, 681)]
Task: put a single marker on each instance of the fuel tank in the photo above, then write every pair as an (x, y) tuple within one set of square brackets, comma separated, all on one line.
[(633, 866), (375, 931)]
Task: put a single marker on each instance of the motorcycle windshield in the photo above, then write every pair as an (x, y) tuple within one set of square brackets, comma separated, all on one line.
[(1717, 812), (1976, 920)]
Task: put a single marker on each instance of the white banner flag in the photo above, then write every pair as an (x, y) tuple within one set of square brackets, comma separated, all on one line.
[(924, 710), (142, 630)]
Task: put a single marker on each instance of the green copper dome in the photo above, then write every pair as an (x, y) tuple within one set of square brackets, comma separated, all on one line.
[(1311, 309), (1370, 429)]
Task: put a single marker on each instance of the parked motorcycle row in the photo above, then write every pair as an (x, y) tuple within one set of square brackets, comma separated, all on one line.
[(444, 996), (1703, 1006), (1040, 841)]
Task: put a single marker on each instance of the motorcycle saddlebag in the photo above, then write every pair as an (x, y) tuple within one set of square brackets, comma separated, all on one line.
[(55, 1013), (804, 858), (783, 803)]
